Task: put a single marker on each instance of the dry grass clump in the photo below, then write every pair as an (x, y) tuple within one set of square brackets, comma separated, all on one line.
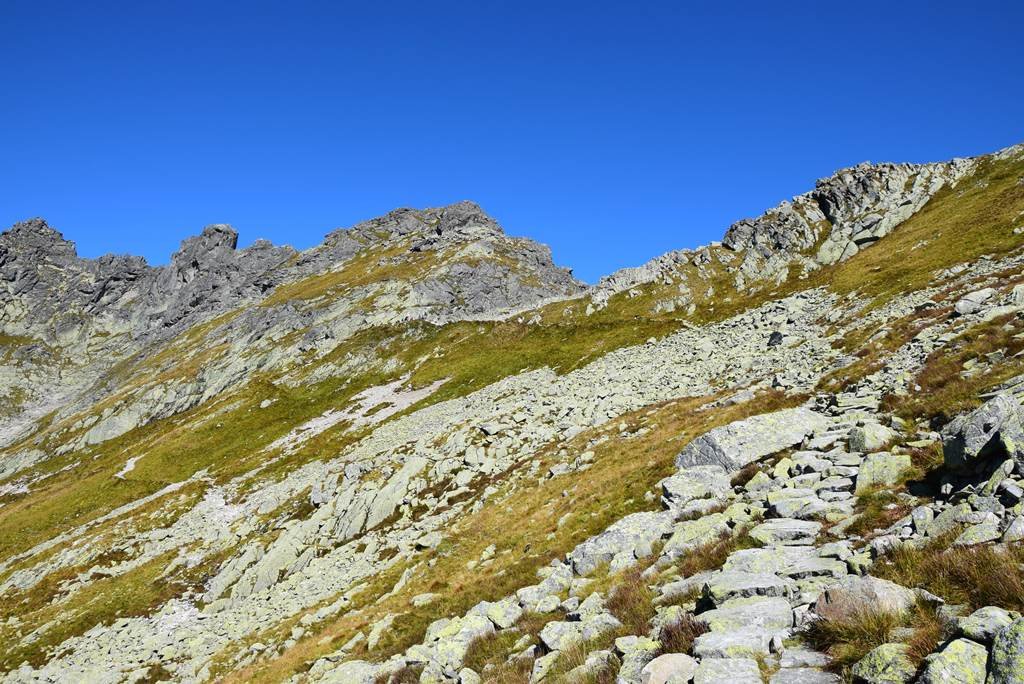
[(576, 654), (410, 674), (678, 637), (493, 649), (849, 639), (878, 509), (944, 392), (846, 640), (978, 576), (632, 602), (744, 474)]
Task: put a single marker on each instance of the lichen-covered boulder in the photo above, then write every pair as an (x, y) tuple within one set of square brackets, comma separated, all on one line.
[(670, 667), (882, 468), (854, 595), (697, 482), (962, 661), (624, 541), (732, 670), (885, 664), (993, 431), (983, 624), (869, 437), (1006, 664)]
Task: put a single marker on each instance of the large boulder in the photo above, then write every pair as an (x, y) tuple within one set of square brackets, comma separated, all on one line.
[(870, 437), (698, 482), (962, 661), (622, 543), (885, 664), (985, 623), (972, 302), (737, 444), (853, 595), (732, 670), (677, 667), (992, 432), (1006, 664), (879, 469)]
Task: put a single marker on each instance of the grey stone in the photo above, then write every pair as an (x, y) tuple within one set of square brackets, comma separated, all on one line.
[(881, 469), (870, 437), (885, 664), (732, 670), (733, 446), (786, 531), (1006, 661), (852, 595), (961, 660), (670, 668), (992, 431), (626, 539)]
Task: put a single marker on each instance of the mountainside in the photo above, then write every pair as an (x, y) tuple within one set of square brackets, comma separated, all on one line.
[(421, 451)]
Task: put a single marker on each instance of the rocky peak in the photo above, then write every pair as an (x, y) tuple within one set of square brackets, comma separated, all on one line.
[(211, 248), (35, 239)]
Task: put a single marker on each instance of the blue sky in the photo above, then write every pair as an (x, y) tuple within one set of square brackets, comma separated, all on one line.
[(611, 131)]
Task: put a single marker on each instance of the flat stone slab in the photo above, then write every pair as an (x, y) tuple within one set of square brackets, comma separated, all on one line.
[(734, 584), (737, 444), (732, 670), (762, 612), (733, 644), (804, 675), (786, 531)]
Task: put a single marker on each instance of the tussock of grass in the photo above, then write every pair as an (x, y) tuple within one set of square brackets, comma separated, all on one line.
[(632, 602), (849, 639), (576, 654), (974, 575), (678, 637), (493, 649), (877, 509)]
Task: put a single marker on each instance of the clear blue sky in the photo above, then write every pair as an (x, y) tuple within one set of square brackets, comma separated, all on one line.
[(611, 131)]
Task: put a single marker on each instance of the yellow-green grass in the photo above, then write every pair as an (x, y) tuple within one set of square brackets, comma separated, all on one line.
[(944, 390)]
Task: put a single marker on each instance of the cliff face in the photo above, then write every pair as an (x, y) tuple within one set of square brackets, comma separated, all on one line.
[(421, 451)]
